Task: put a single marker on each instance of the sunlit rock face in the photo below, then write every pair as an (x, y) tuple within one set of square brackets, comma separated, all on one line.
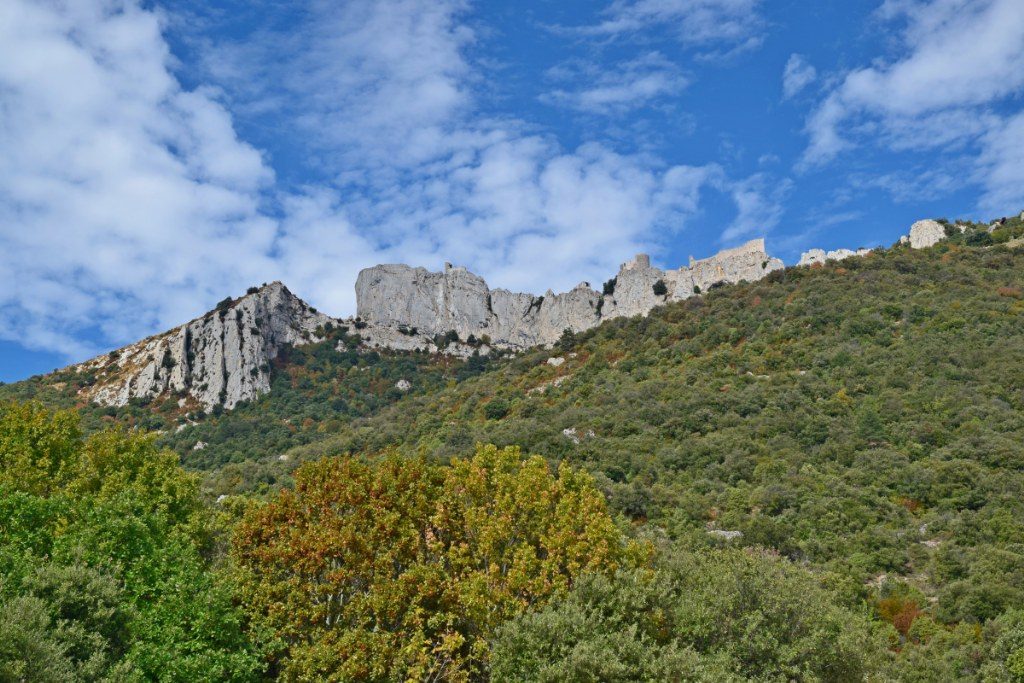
[(924, 234), (224, 357), (812, 256), (402, 297), (221, 358)]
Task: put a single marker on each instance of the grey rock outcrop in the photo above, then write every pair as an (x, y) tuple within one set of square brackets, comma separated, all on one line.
[(221, 358), (812, 256), (431, 303), (404, 307), (420, 305), (926, 233), (224, 357)]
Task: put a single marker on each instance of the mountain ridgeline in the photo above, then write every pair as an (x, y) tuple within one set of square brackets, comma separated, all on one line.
[(224, 357)]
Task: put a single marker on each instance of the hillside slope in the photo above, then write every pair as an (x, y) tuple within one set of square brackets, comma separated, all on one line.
[(312, 390), (852, 433), (867, 416)]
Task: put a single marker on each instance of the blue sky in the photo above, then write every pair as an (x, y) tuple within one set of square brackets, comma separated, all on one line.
[(156, 157)]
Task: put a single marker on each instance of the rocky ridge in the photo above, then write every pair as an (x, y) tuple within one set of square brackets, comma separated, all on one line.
[(220, 358), (812, 256), (398, 300), (923, 234), (224, 357)]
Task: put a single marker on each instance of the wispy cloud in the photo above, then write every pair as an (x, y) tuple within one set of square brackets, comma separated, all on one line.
[(797, 75), (374, 82), (760, 205), (961, 60), (130, 203), (627, 86), (699, 23)]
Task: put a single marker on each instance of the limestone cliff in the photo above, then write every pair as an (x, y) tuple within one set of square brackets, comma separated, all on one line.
[(926, 233), (923, 234), (224, 357), (420, 305), (812, 256), (220, 358)]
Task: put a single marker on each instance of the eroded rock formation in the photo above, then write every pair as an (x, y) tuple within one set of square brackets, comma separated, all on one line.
[(220, 358), (924, 234), (224, 357), (812, 256), (398, 300)]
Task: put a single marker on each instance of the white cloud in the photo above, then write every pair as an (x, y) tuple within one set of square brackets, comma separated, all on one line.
[(759, 202), (962, 65), (1000, 167), (632, 84), (694, 22), (797, 75), (375, 81), (449, 184), (122, 196)]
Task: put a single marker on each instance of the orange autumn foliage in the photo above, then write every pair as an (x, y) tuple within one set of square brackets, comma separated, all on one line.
[(900, 612), (399, 569)]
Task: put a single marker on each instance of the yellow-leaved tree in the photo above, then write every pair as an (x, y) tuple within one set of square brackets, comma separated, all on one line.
[(396, 569)]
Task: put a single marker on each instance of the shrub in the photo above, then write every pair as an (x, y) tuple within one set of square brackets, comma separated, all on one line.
[(728, 615), (496, 409)]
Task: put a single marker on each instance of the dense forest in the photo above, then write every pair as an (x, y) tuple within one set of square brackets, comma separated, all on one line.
[(818, 476)]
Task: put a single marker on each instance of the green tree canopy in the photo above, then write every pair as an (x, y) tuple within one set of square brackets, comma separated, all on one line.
[(104, 561)]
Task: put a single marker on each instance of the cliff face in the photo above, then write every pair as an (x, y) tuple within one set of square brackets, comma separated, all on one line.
[(219, 359), (809, 258), (224, 357), (421, 304)]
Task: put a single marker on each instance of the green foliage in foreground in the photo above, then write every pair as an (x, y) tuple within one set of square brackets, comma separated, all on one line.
[(104, 569), (856, 428), (725, 615), (738, 615), (396, 569), (393, 569)]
